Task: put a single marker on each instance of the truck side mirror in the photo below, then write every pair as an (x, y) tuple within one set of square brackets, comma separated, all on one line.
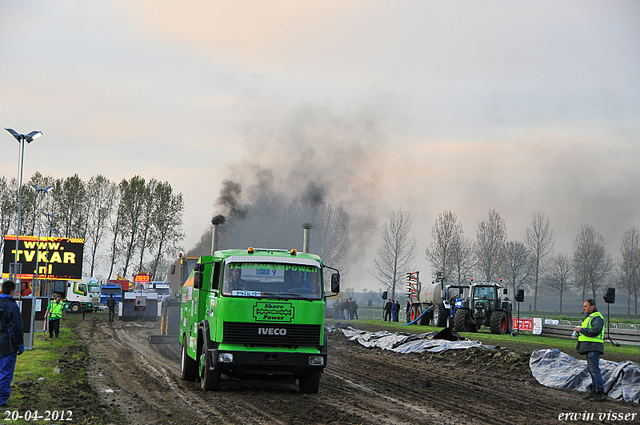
[(199, 267), (335, 283), (384, 295), (197, 280), (173, 269), (504, 291)]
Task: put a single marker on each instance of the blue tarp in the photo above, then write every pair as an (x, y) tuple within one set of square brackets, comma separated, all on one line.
[(553, 368)]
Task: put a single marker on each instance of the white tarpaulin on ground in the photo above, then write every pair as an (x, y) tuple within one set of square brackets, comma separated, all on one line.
[(403, 342), (553, 368)]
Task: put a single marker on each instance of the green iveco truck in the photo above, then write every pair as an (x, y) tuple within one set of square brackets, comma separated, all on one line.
[(257, 314)]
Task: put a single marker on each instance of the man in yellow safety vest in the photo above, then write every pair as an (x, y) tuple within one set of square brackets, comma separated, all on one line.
[(55, 312), (591, 343)]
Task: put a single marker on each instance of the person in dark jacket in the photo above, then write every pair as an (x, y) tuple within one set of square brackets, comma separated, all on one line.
[(387, 311), (11, 338), (111, 303), (591, 343)]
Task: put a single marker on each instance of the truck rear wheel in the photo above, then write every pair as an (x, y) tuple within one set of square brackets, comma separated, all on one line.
[(439, 316), (499, 323), (310, 382), (188, 366), (210, 379)]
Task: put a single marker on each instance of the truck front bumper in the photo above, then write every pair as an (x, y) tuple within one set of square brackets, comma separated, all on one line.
[(266, 363)]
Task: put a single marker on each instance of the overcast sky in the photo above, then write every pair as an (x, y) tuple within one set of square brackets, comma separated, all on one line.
[(521, 107)]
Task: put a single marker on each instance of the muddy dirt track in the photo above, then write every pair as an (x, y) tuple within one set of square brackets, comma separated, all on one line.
[(359, 386)]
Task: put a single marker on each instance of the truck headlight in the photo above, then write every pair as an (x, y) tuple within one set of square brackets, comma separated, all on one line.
[(316, 360), (225, 357)]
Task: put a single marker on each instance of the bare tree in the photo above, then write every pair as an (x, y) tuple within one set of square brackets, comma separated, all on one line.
[(490, 246), (167, 224), (518, 265), (629, 266), (447, 234), (101, 193), (540, 240), (463, 258), (591, 263), (69, 196), (130, 210), (397, 250), (559, 274), (8, 207)]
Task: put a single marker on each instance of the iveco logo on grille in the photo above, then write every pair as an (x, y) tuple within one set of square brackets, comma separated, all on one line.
[(272, 331)]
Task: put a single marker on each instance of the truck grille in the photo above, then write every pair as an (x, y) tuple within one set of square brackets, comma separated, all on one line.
[(271, 334)]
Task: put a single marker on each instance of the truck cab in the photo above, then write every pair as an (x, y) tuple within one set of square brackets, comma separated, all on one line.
[(256, 313)]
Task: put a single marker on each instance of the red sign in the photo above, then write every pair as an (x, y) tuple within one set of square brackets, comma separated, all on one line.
[(139, 278), (526, 324)]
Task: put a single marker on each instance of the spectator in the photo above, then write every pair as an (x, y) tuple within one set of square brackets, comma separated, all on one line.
[(11, 338)]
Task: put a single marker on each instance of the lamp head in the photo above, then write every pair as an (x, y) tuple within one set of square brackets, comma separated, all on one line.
[(32, 136)]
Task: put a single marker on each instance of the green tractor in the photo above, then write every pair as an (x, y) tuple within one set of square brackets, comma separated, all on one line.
[(485, 308)]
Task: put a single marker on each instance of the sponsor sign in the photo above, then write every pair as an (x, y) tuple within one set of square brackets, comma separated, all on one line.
[(273, 312), (57, 258), (526, 324)]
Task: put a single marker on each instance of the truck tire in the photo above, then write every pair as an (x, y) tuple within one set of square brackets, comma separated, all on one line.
[(310, 382), (188, 366), (75, 308), (440, 315), (499, 323), (210, 379), (462, 321)]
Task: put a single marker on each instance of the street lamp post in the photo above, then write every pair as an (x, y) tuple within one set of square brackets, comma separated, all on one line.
[(36, 280), (17, 270), (21, 138)]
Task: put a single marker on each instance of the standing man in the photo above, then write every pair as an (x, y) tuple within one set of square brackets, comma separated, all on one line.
[(11, 338), (591, 343), (387, 311), (55, 312), (111, 303)]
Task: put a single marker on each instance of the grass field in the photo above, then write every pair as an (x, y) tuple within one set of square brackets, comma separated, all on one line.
[(51, 379)]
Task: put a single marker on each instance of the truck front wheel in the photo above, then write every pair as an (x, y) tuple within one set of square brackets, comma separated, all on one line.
[(310, 382), (188, 366), (210, 379), (75, 307)]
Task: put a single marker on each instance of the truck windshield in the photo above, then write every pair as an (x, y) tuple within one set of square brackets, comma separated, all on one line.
[(110, 291), (276, 280)]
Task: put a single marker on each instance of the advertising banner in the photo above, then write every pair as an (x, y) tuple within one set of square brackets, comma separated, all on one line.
[(57, 258), (526, 324)]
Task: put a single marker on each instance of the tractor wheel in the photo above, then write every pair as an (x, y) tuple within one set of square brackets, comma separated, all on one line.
[(210, 379), (462, 321), (440, 315), (188, 366), (310, 382), (499, 323)]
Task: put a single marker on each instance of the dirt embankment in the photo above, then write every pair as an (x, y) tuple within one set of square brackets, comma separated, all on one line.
[(359, 386)]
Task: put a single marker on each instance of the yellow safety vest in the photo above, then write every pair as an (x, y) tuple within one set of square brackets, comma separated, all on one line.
[(586, 324), (55, 309)]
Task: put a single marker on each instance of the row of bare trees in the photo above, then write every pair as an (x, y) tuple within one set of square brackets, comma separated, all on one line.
[(135, 225), (529, 264)]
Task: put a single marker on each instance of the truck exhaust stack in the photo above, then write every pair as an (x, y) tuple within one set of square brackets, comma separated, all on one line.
[(216, 221), (305, 242)]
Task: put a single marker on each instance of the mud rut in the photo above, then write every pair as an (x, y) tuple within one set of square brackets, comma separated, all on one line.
[(359, 386)]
